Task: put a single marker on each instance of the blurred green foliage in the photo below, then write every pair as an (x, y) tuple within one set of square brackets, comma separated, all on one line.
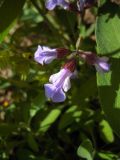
[(32, 127)]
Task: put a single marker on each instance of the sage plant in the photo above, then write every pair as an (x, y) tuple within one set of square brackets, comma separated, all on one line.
[(59, 83)]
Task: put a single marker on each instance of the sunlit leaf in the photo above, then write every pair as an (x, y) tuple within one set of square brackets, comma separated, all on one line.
[(85, 150), (106, 131), (108, 41), (49, 120)]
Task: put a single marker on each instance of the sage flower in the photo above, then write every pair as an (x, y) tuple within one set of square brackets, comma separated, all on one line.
[(45, 55), (51, 4), (60, 83), (101, 63)]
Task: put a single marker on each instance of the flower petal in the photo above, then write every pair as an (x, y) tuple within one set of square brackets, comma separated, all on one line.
[(59, 96), (101, 64), (63, 3), (49, 90), (53, 78), (45, 55), (48, 60), (51, 4), (67, 84), (56, 77), (104, 65), (39, 59), (80, 5), (47, 49), (38, 51)]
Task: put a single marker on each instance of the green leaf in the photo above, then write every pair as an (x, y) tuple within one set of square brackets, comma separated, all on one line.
[(108, 42), (70, 116), (43, 119), (106, 131), (107, 30), (49, 120), (107, 156), (8, 13), (85, 150), (32, 142)]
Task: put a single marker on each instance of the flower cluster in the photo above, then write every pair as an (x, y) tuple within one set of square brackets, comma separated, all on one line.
[(79, 7), (59, 83)]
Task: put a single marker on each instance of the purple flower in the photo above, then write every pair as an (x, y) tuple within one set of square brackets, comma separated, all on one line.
[(60, 83), (101, 64), (51, 4), (45, 55), (80, 5)]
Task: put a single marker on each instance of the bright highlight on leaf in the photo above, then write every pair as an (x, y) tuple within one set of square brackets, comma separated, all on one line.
[(85, 150)]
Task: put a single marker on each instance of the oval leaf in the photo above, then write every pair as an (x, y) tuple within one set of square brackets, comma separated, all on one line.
[(85, 150), (108, 41)]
